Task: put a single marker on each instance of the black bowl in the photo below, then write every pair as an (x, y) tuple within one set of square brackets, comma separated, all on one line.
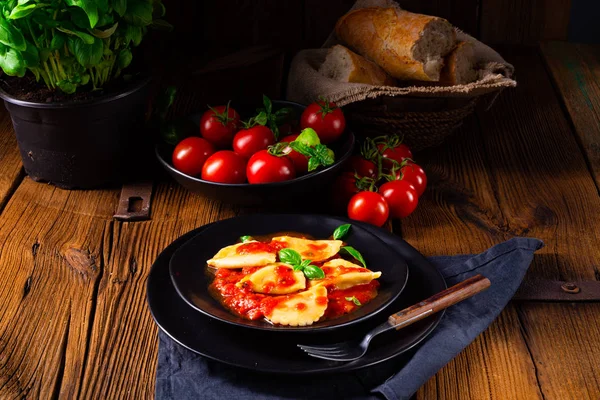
[(307, 188), (191, 280)]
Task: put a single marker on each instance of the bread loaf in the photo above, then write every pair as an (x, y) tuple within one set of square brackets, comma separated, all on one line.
[(407, 46), (344, 65), (459, 66)]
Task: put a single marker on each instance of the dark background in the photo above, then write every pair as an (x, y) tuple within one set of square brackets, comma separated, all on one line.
[(235, 48)]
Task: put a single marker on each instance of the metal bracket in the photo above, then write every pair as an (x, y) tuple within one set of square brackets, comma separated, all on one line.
[(542, 290), (134, 203)]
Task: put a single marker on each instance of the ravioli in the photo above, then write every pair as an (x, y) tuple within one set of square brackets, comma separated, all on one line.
[(343, 274), (300, 309), (314, 250), (276, 278), (228, 257)]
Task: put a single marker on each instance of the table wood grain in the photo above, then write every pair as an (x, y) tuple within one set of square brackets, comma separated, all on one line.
[(73, 316)]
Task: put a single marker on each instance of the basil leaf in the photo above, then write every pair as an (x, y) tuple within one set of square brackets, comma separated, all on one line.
[(11, 36), (309, 137), (313, 163), (58, 41), (31, 56), (87, 39), (305, 263), (324, 154), (268, 104), (12, 63), (120, 6), (133, 34), (355, 253), (124, 58), (314, 272), (354, 300), (302, 148), (90, 8), (246, 238), (21, 11), (341, 231), (290, 256), (139, 13), (261, 118), (88, 55)]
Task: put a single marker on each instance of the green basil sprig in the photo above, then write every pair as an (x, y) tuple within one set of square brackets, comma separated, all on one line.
[(292, 257), (354, 253), (341, 231), (354, 300), (246, 238)]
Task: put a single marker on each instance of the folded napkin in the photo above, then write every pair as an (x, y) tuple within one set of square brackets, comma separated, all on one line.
[(184, 375)]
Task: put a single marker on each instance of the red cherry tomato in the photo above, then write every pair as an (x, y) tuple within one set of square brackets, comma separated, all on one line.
[(414, 174), (361, 166), (252, 140), (266, 168), (300, 161), (219, 124), (368, 207), (342, 190), (401, 197), (325, 118), (225, 167), (190, 155), (397, 153)]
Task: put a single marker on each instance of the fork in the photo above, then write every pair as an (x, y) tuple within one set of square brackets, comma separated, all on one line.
[(354, 349)]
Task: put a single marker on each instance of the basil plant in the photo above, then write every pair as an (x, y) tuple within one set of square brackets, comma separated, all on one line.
[(72, 43)]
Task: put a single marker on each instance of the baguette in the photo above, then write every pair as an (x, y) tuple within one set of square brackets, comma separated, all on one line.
[(407, 46), (459, 66), (344, 65)]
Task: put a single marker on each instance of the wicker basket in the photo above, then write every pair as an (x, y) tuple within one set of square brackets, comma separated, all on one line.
[(423, 122)]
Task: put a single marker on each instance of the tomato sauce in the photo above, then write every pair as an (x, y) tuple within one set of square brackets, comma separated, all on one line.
[(248, 304)]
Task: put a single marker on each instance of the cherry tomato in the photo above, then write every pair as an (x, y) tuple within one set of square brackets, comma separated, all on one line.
[(414, 174), (343, 189), (190, 155), (252, 140), (368, 207), (401, 197), (265, 168), (300, 161), (397, 153), (361, 166), (219, 124), (325, 118), (225, 167)]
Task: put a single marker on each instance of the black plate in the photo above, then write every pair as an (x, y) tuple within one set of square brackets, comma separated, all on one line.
[(272, 353), (188, 265), (302, 190)]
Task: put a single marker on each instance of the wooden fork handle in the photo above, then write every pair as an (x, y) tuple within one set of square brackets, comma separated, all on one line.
[(439, 301)]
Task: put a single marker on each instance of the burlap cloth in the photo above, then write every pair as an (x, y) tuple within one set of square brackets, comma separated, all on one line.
[(306, 84)]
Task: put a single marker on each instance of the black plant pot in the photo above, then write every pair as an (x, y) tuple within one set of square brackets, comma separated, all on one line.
[(81, 145)]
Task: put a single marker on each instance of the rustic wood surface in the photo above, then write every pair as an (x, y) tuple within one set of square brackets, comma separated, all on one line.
[(576, 72), (73, 316)]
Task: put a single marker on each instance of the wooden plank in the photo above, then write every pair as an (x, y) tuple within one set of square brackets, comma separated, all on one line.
[(524, 22), (540, 177), (11, 168), (564, 341), (123, 337), (496, 365), (576, 72), (51, 245), (460, 214)]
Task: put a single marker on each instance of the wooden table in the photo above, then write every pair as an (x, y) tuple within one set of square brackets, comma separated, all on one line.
[(73, 316)]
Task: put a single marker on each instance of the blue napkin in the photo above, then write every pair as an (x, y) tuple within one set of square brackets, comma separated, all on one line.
[(184, 375)]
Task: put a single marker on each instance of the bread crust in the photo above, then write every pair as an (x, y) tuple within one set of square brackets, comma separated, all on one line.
[(363, 70), (387, 36)]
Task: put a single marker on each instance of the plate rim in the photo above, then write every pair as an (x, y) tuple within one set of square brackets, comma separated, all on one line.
[(293, 330), (345, 367)]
